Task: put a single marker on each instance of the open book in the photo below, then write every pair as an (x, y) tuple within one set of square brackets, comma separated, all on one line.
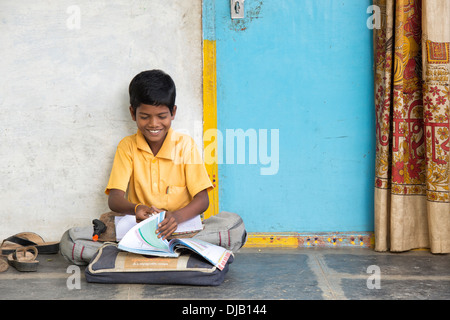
[(142, 239), (125, 223)]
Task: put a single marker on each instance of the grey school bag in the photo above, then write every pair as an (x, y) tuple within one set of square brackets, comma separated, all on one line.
[(77, 247), (226, 229)]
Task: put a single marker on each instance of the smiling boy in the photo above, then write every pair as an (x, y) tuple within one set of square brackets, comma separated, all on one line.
[(157, 169)]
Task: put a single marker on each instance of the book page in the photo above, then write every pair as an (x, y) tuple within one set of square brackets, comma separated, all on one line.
[(125, 223), (218, 256), (142, 238), (194, 224)]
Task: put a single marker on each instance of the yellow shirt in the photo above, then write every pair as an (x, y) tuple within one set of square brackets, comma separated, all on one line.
[(168, 180)]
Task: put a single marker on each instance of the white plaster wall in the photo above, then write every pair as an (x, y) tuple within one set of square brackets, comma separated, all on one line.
[(64, 99)]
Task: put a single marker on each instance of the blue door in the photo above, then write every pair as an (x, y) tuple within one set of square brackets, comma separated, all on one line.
[(295, 114)]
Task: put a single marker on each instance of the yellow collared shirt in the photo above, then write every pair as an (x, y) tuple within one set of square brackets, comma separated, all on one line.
[(168, 180)]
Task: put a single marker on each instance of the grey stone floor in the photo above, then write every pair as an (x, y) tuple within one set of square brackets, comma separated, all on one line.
[(262, 274)]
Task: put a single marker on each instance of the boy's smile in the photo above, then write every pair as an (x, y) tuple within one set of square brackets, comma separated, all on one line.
[(154, 122)]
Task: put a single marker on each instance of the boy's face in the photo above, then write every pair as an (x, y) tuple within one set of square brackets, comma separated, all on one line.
[(154, 123)]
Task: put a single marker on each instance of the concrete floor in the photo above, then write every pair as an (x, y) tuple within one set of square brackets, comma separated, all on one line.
[(262, 274)]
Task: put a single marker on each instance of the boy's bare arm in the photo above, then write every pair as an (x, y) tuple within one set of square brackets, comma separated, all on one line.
[(118, 203), (199, 204)]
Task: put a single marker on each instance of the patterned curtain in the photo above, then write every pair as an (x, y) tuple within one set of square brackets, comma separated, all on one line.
[(412, 199)]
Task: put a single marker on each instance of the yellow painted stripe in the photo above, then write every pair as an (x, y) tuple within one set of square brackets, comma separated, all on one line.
[(268, 240), (307, 240), (210, 123)]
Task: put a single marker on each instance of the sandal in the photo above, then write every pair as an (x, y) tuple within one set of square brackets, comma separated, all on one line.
[(3, 264), (23, 260), (28, 239)]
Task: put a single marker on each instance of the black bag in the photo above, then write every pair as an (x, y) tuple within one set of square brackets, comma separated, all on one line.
[(111, 265)]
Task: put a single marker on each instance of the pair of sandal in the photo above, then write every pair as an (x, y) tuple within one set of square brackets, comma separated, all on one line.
[(22, 250)]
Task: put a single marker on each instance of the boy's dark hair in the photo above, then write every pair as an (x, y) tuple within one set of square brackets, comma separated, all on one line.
[(153, 87)]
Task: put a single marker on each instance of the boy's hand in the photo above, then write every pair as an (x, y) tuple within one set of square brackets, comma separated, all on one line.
[(168, 225), (143, 212)]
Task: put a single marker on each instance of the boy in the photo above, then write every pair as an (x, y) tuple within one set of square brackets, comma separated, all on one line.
[(160, 169)]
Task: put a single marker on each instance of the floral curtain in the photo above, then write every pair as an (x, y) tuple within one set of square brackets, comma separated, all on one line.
[(412, 199)]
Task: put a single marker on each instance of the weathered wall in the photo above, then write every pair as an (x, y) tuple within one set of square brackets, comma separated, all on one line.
[(65, 68)]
